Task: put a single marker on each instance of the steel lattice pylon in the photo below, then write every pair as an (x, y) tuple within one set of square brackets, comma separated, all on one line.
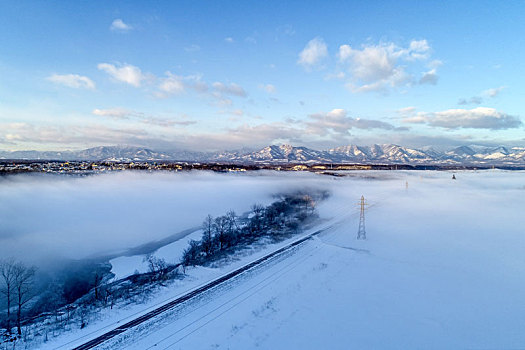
[(361, 233)]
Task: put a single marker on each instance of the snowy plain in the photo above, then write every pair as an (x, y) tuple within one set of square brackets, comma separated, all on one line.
[(442, 267)]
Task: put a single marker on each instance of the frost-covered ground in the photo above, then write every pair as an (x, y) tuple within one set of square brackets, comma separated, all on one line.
[(124, 266), (442, 267)]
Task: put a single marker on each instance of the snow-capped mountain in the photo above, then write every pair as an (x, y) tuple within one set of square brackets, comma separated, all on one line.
[(285, 153), (378, 154)]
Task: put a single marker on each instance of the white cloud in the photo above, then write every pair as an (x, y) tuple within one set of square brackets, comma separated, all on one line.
[(313, 53), (489, 93), (385, 65), (172, 84), (477, 118), (418, 50), (125, 73), (269, 88), (119, 26), (493, 92), (51, 135), (398, 78), (337, 121), (474, 100), (229, 89), (117, 112), (224, 102), (123, 113), (429, 77), (370, 64), (407, 111), (72, 80), (229, 40)]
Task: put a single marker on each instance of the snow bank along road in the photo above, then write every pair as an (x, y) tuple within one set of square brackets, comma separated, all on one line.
[(193, 293)]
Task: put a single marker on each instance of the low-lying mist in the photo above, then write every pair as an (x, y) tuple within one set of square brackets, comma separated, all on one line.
[(50, 217)]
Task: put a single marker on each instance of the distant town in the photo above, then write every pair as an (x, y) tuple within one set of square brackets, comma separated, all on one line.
[(94, 167)]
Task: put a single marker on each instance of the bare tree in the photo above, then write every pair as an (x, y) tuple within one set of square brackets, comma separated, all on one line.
[(232, 220), (207, 235), (157, 266), (23, 286), (7, 267), (221, 229), (97, 283), (257, 218)]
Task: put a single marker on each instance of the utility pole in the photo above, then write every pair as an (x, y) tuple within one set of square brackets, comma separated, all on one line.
[(406, 185), (361, 233)]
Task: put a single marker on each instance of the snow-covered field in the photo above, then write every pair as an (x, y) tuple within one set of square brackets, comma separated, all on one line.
[(442, 268)]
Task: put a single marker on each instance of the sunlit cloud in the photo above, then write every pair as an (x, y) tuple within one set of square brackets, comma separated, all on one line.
[(337, 121), (229, 89), (73, 81), (125, 73), (269, 88), (383, 66), (479, 99), (429, 77), (118, 25), (493, 92), (313, 54), (477, 118), (123, 113)]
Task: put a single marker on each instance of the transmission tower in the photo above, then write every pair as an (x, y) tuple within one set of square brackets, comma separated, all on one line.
[(361, 233)]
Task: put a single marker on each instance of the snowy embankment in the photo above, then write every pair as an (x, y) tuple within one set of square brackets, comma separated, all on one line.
[(172, 253), (443, 269)]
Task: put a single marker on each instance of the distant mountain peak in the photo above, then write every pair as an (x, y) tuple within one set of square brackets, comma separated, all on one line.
[(285, 153)]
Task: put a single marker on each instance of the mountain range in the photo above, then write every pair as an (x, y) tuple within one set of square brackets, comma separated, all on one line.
[(378, 154)]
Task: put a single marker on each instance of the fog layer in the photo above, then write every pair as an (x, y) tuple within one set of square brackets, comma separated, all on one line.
[(74, 217), (44, 217)]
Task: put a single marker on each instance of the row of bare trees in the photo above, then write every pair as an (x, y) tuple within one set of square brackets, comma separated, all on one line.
[(227, 232), (16, 284)]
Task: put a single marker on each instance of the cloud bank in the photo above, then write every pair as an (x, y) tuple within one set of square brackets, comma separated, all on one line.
[(477, 118)]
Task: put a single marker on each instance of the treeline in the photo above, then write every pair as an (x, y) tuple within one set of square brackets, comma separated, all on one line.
[(27, 296), (225, 234), (48, 305)]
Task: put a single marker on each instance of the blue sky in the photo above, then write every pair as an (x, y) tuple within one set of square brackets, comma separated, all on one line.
[(227, 75)]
